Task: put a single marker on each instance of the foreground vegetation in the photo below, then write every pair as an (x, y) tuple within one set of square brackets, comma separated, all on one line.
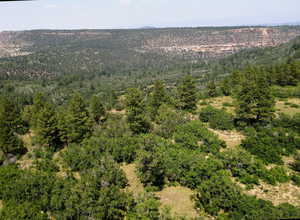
[(116, 157)]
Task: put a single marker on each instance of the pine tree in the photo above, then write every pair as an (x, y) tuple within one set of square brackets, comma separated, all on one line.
[(187, 94), (212, 89), (39, 101), (157, 98), (255, 102), (74, 122), (46, 127), (96, 109), (9, 142), (135, 107)]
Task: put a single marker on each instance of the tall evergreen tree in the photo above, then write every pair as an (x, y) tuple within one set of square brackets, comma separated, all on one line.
[(212, 89), (255, 102), (9, 142), (96, 109), (136, 108), (46, 127), (187, 94), (157, 98), (74, 122)]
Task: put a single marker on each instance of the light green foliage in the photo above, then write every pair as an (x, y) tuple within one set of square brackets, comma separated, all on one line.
[(167, 120), (270, 144), (219, 196), (147, 208), (217, 118), (244, 166), (194, 135)]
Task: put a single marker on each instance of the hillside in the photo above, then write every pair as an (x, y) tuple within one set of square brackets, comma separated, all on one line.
[(55, 52)]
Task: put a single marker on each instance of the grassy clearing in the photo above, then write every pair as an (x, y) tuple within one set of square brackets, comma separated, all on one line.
[(219, 102), (282, 107), (134, 184), (25, 161), (179, 200), (232, 138)]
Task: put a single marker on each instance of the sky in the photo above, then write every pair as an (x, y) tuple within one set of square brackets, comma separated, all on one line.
[(109, 14)]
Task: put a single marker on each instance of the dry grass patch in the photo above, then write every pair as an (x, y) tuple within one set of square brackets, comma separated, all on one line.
[(281, 107), (114, 111), (232, 138), (134, 184), (218, 103), (1, 204), (283, 193), (179, 200), (25, 161)]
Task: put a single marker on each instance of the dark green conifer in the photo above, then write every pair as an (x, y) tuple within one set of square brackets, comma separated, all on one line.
[(96, 109), (136, 115), (157, 98), (74, 122), (187, 94), (9, 142), (255, 102)]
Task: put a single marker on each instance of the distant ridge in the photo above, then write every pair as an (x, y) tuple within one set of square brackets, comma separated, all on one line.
[(147, 27)]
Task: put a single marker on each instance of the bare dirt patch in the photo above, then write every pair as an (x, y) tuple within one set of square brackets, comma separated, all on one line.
[(134, 184), (232, 138), (25, 161), (283, 193), (218, 102), (179, 200), (281, 106)]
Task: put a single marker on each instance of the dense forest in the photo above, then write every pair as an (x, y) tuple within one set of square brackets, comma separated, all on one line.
[(67, 142)]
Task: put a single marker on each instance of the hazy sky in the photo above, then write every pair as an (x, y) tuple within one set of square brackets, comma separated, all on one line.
[(75, 14)]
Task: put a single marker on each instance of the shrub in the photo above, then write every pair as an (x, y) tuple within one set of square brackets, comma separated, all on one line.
[(296, 179), (277, 174), (194, 135), (227, 104), (167, 120), (270, 144), (217, 118), (222, 120), (46, 165), (296, 164), (244, 166), (220, 195), (207, 113)]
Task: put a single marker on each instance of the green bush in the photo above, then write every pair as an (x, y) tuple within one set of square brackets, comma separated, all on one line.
[(296, 164), (244, 166), (296, 179), (46, 165), (277, 174), (167, 119), (194, 135), (220, 195), (217, 118), (271, 143), (207, 113)]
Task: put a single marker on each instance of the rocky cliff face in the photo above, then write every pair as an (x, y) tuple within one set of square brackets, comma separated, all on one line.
[(218, 43), (187, 42)]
